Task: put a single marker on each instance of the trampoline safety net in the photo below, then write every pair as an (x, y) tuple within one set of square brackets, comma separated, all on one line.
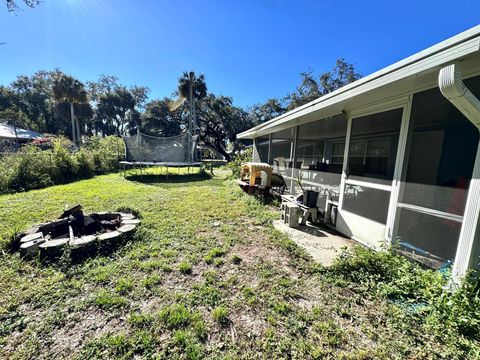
[(175, 149)]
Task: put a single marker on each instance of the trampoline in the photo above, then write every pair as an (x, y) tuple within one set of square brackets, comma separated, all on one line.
[(143, 150)]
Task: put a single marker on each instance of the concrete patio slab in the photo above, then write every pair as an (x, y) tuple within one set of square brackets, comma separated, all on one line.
[(322, 244)]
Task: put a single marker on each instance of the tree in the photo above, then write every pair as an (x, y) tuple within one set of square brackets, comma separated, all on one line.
[(193, 89), (105, 84), (260, 113), (12, 5), (115, 111), (9, 113), (199, 86), (68, 90), (117, 108), (343, 73), (159, 119), (219, 122), (34, 98)]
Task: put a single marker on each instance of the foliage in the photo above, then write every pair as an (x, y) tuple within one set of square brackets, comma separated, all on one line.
[(236, 164), (33, 168), (219, 121), (106, 152), (426, 294), (199, 87), (310, 88), (41, 102), (261, 113), (117, 107), (159, 119), (12, 5), (69, 93)]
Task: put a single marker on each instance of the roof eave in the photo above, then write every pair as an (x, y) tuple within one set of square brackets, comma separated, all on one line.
[(446, 51)]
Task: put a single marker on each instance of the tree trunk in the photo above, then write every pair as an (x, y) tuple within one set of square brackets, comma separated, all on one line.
[(220, 150), (79, 133), (72, 119)]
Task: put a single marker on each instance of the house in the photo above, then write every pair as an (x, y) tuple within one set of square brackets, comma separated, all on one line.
[(8, 136), (395, 155)]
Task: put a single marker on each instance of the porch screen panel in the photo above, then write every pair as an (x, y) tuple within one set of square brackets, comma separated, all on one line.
[(319, 158), (438, 165), (282, 152), (261, 149), (367, 202), (371, 164)]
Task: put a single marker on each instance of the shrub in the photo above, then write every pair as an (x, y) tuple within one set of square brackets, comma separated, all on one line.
[(106, 153), (425, 294), (65, 164), (34, 168), (238, 160), (86, 164), (31, 169)]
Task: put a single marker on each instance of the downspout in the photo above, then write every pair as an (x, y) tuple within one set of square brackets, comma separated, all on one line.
[(453, 88)]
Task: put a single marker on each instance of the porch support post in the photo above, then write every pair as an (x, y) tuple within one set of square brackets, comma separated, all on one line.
[(254, 152), (269, 158), (293, 154), (345, 160), (399, 166)]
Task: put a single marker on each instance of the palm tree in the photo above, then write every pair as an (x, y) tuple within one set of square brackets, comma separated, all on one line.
[(192, 88), (199, 88), (67, 89)]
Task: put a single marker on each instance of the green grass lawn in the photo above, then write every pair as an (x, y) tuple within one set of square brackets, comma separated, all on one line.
[(205, 276)]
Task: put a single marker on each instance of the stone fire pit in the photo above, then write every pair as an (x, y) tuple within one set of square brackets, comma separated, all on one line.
[(76, 229)]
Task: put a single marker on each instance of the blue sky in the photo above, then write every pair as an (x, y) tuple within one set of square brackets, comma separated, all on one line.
[(250, 50)]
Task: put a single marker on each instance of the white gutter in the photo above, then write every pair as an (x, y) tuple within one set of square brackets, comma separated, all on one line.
[(453, 88)]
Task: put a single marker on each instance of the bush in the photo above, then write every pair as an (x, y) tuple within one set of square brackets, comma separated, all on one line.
[(31, 169), (106, 153), (66, 167), (34, 168), (425, 294), (240, 158)]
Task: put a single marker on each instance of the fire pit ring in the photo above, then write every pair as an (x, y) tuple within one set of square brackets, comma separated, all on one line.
[(77, 230)]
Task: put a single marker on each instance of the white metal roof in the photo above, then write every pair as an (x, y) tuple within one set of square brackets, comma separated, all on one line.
[(414, 72), (8, 132)]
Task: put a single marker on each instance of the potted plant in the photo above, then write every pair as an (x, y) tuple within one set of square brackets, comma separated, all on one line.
[(310, 197)]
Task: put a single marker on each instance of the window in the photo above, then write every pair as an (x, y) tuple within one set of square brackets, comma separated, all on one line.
[(373, 146), (281, 151), (367, 202), (309, 153), (369, 157), (338, 151)]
